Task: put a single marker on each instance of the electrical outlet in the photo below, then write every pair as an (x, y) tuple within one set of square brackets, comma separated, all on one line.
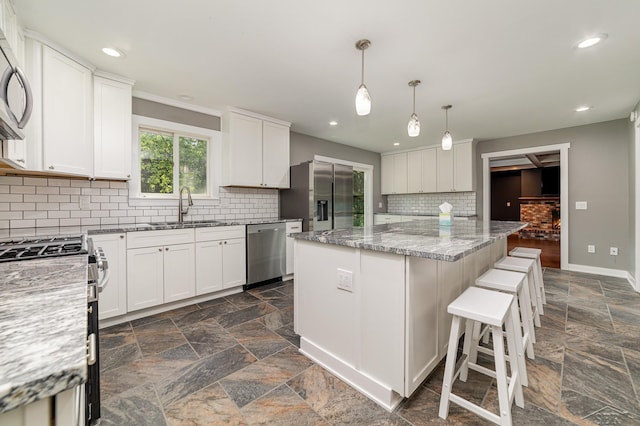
[(581, 205), (591, 248), (379, 204), (508, 203), (345, 280), (613, 251)]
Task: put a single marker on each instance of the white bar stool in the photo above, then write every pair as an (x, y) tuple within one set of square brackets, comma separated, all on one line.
[(482, 306), (532, 253), (514, 283), (526, 266)]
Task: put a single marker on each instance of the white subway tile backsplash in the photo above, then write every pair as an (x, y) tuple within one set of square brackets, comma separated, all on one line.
[(52, 202), (47, 222), (47, 206), (35, 198), (80, 213), (61, 182), (62, 214), (59, 199), (35, 181), (23, 206), (35, 215), (70, 191), (19, 223), (464, 203), (23, 189)]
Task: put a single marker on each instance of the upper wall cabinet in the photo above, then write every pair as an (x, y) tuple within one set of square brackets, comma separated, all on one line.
[(111, 127), (429, 170), (394, 173), (255, 149), (60, 132), (456, 169)]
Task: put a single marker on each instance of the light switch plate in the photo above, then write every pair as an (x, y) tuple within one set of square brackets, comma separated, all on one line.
[(581, 205), (591, 248)]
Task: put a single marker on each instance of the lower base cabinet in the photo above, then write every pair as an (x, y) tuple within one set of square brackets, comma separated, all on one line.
[(291, 228), (113, 298), (159, 275), (220, 258)]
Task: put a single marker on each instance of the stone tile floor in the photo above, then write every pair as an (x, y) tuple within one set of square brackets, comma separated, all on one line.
[(235, 361)]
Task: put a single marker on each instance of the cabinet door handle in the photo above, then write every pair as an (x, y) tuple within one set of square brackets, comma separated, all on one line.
[(50, 167), (166, 248), (160, 249), (220, 243), (121, 236), (225, 242)]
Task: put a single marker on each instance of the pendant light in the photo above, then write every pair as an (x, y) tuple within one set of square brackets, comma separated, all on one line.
[(413, 128), (447, 140), (363, 100)]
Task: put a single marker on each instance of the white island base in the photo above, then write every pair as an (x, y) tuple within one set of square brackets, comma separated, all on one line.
[(389, 330)]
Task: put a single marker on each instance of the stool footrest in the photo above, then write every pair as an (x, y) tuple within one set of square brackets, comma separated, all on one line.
[(482, 412)]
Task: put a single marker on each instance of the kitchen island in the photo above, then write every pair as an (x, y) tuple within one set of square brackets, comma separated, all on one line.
[(370, 304)]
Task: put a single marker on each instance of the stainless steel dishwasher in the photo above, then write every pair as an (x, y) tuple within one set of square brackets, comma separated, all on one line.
[(266, 256)]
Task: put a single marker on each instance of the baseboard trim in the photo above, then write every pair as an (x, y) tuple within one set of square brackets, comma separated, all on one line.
[(633, 282), (617, 273), (379, 393)]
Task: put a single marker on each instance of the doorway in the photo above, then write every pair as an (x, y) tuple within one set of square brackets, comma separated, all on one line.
[(530, 185)]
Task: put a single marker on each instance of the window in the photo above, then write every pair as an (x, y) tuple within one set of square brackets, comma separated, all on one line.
[(168, 156)]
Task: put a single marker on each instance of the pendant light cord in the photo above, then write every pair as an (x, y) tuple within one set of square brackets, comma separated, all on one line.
[(362, 66), (414, 99), (446, 118)]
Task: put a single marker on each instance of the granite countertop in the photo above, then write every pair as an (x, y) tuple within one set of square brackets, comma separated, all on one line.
[(133, 227), (43, 327), (420, 238)]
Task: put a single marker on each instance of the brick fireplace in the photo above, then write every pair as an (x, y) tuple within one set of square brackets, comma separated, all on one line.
[(543, 216)]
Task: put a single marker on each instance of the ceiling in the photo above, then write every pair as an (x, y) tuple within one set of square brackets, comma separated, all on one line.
[(507, 67), (536, 160)]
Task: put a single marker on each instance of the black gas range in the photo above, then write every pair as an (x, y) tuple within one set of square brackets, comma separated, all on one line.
[(27, 249)]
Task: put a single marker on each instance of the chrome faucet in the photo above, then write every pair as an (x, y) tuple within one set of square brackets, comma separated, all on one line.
[(182, 211)]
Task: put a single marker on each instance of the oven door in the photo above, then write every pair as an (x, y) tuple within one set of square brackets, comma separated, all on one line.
[(92, 387)]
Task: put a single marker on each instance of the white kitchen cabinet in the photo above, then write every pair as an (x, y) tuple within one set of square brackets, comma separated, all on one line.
[(145, 277), (67, 93), (113, 298), (256, 151), (160, 267), (179, 272), (220, 258), (464, 167), (112, 128), (275, 155), (394, 173), (456, 171), (291, 228), (422, 171), (379, 219)]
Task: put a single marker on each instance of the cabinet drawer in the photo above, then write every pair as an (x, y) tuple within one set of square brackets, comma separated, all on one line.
[(220, 233), (159, 238), (293, 227)]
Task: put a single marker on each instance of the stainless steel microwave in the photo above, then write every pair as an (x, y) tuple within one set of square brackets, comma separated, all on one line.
[(16, 100)]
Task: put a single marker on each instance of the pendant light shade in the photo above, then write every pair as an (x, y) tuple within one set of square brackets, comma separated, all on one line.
[(447, 140), (413, 128), (363, 99)]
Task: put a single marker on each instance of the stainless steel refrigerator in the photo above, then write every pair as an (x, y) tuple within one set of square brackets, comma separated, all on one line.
[(321, 194)]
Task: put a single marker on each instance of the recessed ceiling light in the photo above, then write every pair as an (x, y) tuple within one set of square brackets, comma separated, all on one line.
[(185, 98), (396, 143), (333, 123), (111, 52), (591, 41), (583, 108)]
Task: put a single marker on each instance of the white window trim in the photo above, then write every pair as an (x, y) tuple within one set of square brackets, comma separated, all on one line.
[(214, 162)]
